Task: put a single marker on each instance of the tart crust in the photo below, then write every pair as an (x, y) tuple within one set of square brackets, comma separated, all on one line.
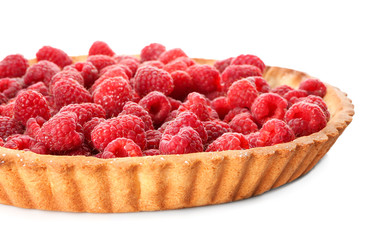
[(89, 184)]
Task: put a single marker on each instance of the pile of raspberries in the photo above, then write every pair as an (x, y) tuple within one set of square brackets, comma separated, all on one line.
[(162, 102)]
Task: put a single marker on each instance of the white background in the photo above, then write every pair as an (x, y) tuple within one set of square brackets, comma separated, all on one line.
[(347, 44)]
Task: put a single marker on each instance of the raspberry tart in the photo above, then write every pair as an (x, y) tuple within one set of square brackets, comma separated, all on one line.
[(155, 131)]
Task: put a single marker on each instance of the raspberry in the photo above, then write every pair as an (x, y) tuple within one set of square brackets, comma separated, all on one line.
[(88, 71), (172, 115), (216, 94), (233, 112), (33, 126), (205, 78), (183, 84), (221, 65), (175, 66), (235, 72), (89, 126), (274, 131), (148, 79), (153, 63), (282, 90), (293, 96), (229, 141), (215, 129), (67, 91), (175, 104), (122, 147), (131, 64), (83, 150), (26, 143), (305, 118), (314, 87), (242, 93), (157, 105), (117, 70), (55, 55), (186, 119), (268, 106), (85, 111), (248, 59), (112, 94), (61, 132), (187, 140), (9, 126), (243, 123), (221, 106), (319, 102), (151, 152), (9, 87), (30, 104), (260, 83), (171, 55), (42, 71), (7, 110), (126, 126), (39, 87), (199, 105), (101, 61), (100, 48), (188, 61), (13, 66), (152, 52), (3, 99), (153, 139), (111, 73), (69, 74), (120, 58), (139, 111), (252, 139)]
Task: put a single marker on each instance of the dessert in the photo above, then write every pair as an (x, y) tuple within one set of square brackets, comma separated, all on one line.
[(121, 133)]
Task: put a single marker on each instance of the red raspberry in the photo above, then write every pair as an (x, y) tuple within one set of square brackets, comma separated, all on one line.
[(148, 79), (139, 111), (26, 143), (117, 70), (282, 90), (9, 87), (61, 132), (172, 115), (151, 152), (100, 48), (67, 91), (153, 139), (33, 126), (131, 64), (153, 63), (314, 87), (89, 126), (305, 118), (216, 94), (248, 59), (199, 105), (83, 150), (221, 65), (205, 78), (183, 84), (30, 104), (7, 110), (235, 72), (175, 66), (101, 61), (9, 126), (268, 106), (69, 74), (126, 126), (55, 55), (88, 71), (233, 112), (120, 58), (186, 119), (85, 111), (157, 105), (260, 83), (243, 123), (242, 93), (122, 147), (188, 61), (187, 140), (42, 71), (221, 106), (319, 102), (152, 52), (39, 87), (114, 72), (3, 99), (275, 131), (229, 141), (171, 55), (175, 104), (13, 66), (252, 139), (215, 129), (293, 96)]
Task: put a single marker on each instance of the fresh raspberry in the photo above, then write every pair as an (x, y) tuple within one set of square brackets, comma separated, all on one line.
[(148, 79), (243, 123), (3, 99), (39, 87), (171, 55), (33, 126), (221, 106), (30, 104), (67, 91), (151, 152), (221, 65), (152, 52), (7, 110), (117, 70), (268, 106), (305, 118), (314, 87), (205, 78), (229, 141), (215, 129), (273, 132), (100, 48), (26, 143), (131, 108), (9, 126), (126, 126), (122, 147), (175, 104), (282, 90), (85, 111), (83, 150), (112, 94), (153, 63), (235, 72), (61, 132), (9, 87), (186, 119), (248, 59), (114, 72), (252, 139), (242, 93), (101, 61), (199, 105), (187, 140), (13, 66), (120, 58), (172, 115), (293, 96), (319, 102), (55, 55), (157, 105), (183, 84), (175, 66), (215, 94), (188, 61), (69, 74), (153, 139), (88, 71), (131, 64), (43, 71), (89, 126), (260, 83), (233, 112)]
